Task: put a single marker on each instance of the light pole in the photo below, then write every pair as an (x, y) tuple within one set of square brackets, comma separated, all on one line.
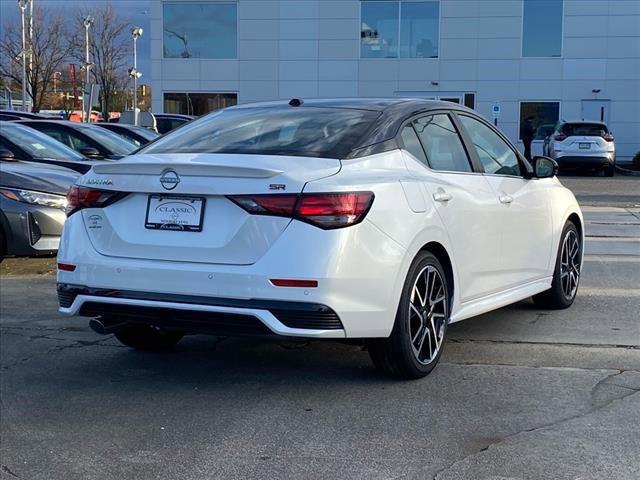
[(55, 83), (31, 41), (22, 4), (136, 32), (87, 22)]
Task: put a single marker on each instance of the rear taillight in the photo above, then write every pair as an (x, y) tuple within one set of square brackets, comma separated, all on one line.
[(560, 137), (82, 197), (275, 205), (324, 210), (608, 137), (334, 210)]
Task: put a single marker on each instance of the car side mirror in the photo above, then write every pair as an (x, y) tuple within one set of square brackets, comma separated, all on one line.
[(544, 167), (6, 154), (91, 152)]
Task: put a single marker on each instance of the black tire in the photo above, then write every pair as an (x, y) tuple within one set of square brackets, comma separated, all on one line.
[(148, 339), (396, 355), (3, 245), (609, 171), (559, 296)]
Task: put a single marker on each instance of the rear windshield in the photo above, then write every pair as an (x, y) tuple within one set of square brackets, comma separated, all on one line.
[(112, 141), (37, 144), (584, 129), (294, 131)]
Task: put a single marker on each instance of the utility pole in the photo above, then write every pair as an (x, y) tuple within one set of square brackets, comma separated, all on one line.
[(136, 32), (31, 46), (56, 76), (22, 4), (87, 22)]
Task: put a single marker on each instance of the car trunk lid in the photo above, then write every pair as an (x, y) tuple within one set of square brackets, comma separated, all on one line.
[(194, 187)]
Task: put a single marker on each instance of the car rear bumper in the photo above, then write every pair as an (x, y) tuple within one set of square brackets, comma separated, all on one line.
[(355, 297), (592, 161), (196, 314)]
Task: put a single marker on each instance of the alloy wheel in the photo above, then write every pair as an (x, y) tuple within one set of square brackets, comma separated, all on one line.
[(570, 264), (428, 308)]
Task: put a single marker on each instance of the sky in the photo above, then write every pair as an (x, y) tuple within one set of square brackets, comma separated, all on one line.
[(136, 10)]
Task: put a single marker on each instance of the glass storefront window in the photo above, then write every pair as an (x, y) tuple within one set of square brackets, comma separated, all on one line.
[(197, 103), (539, 117), (200, 30), (419, 29), (379, 34), (405, 29), (542, 28)]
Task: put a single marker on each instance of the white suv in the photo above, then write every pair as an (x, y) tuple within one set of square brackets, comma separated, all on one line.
[(583, 144)]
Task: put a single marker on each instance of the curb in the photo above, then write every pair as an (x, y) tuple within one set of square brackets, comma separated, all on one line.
[(626, 171)]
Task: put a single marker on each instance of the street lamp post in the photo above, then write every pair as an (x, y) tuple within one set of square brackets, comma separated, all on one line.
[(136, 32), (31, 41), (22, 4), (87, 22), (56, 76)]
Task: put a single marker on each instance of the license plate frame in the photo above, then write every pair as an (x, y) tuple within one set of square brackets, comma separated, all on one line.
[(584, 146), (192, 221)]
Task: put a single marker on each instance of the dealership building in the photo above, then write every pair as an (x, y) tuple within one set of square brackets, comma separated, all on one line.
[(508, 59)]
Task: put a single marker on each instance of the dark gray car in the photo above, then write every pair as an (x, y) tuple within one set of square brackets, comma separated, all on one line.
[(32, 207)]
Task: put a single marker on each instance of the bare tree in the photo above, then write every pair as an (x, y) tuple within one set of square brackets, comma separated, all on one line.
[(110, 47), (50, 48)]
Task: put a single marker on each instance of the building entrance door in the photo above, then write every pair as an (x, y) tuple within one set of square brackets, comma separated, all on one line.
[(597, 110)]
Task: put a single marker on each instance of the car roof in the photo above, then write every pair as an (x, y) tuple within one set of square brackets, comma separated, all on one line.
[(393, 112), (375, 104), (64, 123), (26, 115), (174, 115), (597, 122)]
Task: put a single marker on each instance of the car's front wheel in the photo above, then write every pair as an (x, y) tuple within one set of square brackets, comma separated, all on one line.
[(566, 276), (416, 342), (147, 338)]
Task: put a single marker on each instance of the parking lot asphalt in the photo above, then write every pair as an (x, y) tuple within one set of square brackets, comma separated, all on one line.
[(520, 393)]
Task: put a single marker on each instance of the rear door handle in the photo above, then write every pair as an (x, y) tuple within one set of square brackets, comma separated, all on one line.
[(504, 198), (442, 197)]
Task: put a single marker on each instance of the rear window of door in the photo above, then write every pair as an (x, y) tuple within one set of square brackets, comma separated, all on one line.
[(442, 144), (496, 155), (412, 144)]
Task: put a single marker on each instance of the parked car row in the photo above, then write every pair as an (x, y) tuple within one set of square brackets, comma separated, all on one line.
[(40, 158)]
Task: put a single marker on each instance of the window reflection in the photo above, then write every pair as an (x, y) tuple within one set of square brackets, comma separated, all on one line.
[(200, 30), (406, 29), (379, 35), (542, 28), (419, 29), (197, 103)]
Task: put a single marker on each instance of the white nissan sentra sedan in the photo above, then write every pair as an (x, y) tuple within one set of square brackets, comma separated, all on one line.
[(376, 219)]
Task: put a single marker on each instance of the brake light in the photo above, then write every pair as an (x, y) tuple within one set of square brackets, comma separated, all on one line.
[(608, 137), (275, 205), (324, 210), (560, 137), (82, 197), (334, 210)]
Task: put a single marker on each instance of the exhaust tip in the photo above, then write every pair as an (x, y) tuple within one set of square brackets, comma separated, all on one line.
[(105, 327)]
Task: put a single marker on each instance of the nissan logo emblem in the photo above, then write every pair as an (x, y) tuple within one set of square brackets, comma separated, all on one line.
[(169, 179)]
